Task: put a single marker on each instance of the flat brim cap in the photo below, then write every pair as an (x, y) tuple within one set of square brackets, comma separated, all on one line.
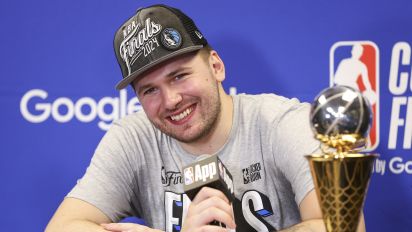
[(154, 35)]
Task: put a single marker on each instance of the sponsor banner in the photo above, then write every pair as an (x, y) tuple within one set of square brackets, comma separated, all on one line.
[(357, 64), (396, 165), (400, 87), (36, 106)]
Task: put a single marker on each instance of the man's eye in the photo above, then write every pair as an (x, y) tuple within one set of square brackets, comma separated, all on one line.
[(180, 76), (149, 91)]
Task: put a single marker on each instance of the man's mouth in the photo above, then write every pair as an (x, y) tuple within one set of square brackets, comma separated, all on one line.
[(182, 115)]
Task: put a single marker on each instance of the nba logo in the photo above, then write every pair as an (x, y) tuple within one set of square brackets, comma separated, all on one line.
[(189, 178), (356, 64)]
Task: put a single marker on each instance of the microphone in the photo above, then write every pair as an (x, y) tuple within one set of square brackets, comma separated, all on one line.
[(208, 171)]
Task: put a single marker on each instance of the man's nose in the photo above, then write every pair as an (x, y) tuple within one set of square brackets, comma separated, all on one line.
[(171, 98)]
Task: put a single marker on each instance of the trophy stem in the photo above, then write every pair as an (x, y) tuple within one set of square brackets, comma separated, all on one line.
[(341, 184)]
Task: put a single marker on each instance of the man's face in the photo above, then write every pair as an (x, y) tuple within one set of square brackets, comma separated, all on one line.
[(181, 97)]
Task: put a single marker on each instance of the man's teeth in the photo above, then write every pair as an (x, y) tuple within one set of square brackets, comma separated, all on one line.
[(181, 115)]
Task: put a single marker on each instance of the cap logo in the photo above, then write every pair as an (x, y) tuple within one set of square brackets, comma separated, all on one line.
[(171, 38), (199, 35), (138, 42)]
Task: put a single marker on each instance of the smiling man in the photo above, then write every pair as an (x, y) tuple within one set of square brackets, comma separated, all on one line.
[(261, 139)]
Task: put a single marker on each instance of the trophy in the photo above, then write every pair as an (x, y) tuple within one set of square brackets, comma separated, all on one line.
[(341, 117)]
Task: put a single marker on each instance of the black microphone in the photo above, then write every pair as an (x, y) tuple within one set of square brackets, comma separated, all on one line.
[(208, 171)]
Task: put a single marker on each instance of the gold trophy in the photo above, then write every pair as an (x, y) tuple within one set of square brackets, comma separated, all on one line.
[(341, 117)]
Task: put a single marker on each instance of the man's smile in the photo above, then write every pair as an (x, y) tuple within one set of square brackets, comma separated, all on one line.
[(183, 116)]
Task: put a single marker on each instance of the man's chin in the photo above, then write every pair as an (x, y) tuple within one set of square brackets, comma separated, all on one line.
[(187, 134), (186, 138)]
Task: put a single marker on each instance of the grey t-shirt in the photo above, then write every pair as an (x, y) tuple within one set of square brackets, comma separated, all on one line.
[(135, 170)]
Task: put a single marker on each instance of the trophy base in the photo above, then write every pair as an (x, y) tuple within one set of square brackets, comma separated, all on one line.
[(341, 183)]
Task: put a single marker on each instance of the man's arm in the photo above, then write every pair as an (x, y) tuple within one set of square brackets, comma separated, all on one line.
[(74, 215), (311, 215)]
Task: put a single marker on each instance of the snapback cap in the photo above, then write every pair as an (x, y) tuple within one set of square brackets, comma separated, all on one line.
[(153, 35)]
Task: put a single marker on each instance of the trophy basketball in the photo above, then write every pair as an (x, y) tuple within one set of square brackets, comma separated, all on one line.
[(341, 117)]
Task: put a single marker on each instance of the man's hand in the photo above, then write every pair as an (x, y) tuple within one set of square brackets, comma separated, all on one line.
[(315, 225), (209, 205), (127, 227)]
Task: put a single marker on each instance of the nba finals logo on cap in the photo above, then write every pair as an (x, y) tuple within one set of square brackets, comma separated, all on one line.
[(356, 64), (138, 40)]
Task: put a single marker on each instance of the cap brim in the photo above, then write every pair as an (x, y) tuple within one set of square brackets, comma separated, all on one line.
[(126, 81)]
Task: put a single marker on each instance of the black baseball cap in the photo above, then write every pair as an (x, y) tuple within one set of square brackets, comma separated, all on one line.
[(153, 35)]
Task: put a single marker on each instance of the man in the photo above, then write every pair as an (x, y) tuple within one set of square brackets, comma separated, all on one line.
[(135, 170)]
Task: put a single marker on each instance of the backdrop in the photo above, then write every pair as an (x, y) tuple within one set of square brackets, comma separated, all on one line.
[(58, 71)]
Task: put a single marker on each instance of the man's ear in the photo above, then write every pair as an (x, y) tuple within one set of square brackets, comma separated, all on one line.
[(217, 66)]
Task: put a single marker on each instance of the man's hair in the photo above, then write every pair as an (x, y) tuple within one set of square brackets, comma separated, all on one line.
[(205, 52)]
